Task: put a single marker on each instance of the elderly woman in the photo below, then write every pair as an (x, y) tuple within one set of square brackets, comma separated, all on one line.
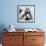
[(27, 15)]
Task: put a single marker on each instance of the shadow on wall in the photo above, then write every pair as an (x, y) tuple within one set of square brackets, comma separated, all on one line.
[(2, 26)]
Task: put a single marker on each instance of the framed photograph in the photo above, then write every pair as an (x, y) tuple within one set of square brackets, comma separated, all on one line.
[(26, 13)]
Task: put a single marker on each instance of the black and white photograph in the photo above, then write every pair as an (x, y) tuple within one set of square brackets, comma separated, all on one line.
[(26, 13)]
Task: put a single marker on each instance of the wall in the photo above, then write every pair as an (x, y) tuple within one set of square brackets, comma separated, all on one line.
[(8, 13)]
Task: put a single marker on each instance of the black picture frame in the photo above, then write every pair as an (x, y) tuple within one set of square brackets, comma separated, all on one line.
[(25, 13)]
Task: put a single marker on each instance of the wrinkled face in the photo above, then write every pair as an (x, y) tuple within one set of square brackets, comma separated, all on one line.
[(28, 15)]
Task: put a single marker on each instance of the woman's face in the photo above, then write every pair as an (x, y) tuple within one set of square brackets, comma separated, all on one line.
[(28, 15)]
